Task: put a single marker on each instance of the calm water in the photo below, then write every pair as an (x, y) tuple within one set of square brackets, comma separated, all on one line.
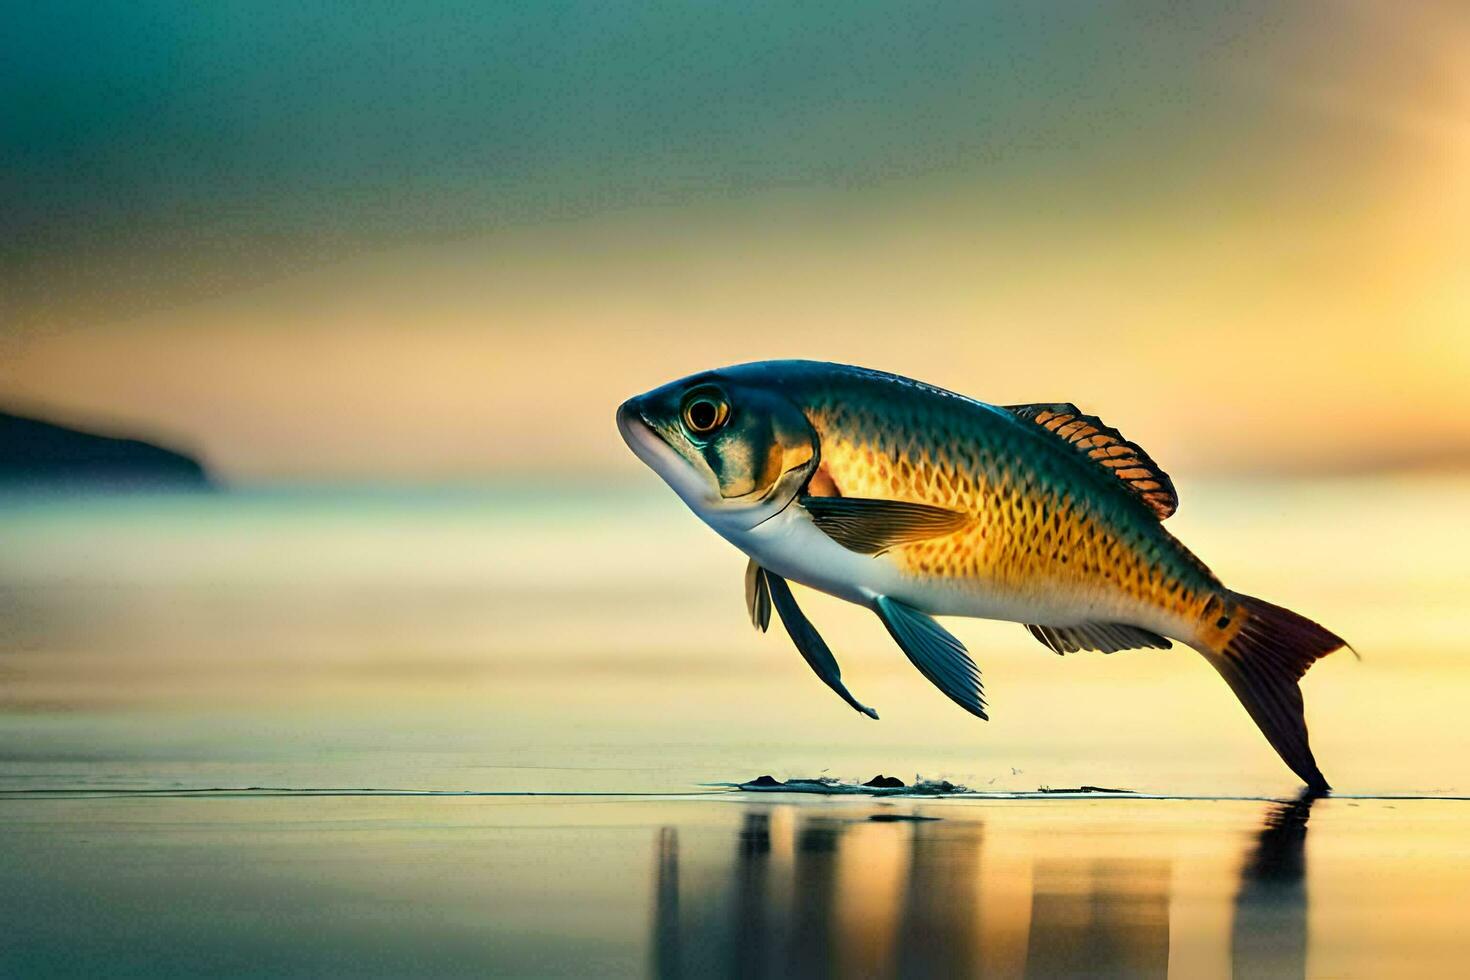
[(595, 643), (731, 886)]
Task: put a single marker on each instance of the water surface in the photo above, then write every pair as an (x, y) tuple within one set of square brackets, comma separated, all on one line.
[(595, 644)]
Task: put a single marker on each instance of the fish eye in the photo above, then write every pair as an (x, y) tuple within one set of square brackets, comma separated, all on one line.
[(705, 412)]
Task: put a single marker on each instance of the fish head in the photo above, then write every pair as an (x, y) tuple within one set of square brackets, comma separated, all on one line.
[(736, 450)]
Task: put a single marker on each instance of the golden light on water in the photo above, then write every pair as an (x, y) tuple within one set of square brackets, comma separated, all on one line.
[(510, 614)]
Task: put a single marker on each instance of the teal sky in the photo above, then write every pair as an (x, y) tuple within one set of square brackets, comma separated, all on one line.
[(358, 239), (237, 137)]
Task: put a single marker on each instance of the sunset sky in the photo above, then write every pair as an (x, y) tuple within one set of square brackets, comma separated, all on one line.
[(442, 242)]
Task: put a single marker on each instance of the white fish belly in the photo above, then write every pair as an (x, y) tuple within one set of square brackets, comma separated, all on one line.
[(792, 547)]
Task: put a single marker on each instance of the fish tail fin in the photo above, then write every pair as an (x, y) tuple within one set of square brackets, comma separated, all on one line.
[(1262, 655)]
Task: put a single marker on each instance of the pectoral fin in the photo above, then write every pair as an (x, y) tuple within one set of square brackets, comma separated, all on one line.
[(870, 526), (938, 655), (808, 641)]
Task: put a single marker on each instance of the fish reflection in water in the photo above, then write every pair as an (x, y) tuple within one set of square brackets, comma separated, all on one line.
[(1099, 918), (938, 934), (666, 903), (1269, 938), (815, 895)]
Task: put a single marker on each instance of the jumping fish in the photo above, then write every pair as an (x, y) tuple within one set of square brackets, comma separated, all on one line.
[(916, 502)]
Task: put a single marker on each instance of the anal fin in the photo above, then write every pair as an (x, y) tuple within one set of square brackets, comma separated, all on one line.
[(1105, 637)]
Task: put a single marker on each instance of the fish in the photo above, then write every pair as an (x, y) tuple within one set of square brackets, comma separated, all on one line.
[(916, 502)]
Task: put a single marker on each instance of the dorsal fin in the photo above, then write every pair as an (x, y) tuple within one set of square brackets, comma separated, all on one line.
[(1106, 446)]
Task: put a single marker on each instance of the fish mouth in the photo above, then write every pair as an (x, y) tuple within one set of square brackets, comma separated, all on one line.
[(649, 445), (640, 435)]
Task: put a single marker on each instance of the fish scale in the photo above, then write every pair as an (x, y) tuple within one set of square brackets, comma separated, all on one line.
[(1042, 524)]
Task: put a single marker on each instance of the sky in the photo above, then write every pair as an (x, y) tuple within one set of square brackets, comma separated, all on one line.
[(443, 241)]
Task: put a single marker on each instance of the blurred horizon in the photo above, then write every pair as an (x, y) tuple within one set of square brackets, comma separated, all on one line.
[(540, 633), (442, 243)]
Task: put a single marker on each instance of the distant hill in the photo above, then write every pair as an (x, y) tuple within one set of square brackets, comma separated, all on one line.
[(37, 454)]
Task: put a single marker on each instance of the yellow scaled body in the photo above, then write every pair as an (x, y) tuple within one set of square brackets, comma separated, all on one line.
[(1046, 532)]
